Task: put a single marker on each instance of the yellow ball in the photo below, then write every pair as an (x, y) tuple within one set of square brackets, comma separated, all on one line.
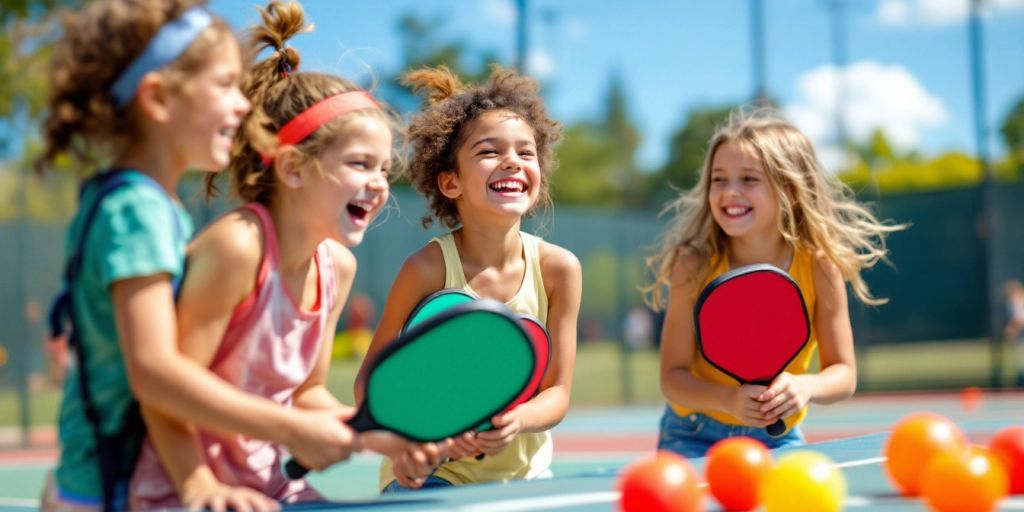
[(804, 481)]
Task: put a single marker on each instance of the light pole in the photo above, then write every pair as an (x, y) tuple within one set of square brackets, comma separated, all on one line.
[(989, 215)]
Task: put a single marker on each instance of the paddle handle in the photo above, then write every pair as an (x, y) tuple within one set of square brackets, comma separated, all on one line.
[(776, 429), (361, 422)]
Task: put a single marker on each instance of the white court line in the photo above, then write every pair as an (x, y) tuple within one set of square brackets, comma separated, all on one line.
[(18, 502), (564, 500), (862, 462)]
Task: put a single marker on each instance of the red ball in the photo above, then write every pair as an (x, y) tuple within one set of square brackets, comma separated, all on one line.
[(665, 482), (734, 470), (1008, 445), (915, 439)]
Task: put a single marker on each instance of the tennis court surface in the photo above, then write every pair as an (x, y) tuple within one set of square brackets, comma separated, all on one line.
[(592, 446)]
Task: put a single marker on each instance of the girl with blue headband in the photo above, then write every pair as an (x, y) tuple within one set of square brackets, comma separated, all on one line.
[(151, 86)]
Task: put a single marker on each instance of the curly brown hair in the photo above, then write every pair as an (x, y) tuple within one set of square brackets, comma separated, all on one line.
[(436, 133), (98, 43), (278, 93)]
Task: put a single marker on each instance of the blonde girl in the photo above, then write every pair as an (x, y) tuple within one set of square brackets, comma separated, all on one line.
[(762, 197)]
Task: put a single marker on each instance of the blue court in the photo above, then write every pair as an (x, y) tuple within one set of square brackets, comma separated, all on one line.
[(592, 446)]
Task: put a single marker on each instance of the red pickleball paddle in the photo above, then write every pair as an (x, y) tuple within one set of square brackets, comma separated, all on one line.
[(750, 323)]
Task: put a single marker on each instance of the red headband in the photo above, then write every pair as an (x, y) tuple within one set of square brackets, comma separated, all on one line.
[(319, 114)]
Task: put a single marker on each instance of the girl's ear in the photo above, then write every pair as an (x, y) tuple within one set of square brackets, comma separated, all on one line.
[(288, 167), (449, 185), (152, 98)]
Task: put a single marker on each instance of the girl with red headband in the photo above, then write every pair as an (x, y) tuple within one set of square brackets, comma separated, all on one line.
[(267, 282)]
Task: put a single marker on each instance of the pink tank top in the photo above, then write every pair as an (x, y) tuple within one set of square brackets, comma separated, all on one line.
[(269, 349)]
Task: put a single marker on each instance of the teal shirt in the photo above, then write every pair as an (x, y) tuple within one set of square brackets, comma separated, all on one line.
[(133, 234)]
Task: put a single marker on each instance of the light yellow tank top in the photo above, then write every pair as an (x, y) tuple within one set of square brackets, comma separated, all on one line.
[(801, 270), (529, 455)]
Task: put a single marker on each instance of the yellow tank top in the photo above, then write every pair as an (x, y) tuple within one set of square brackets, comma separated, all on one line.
[(801, 270), (528, 455)]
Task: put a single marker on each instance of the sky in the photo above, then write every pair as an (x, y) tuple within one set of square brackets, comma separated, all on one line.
[(907, 61)]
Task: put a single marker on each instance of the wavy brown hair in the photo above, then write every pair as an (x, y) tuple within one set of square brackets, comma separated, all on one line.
[(279, 92), (98, 43), (817, 212), (436, 133)]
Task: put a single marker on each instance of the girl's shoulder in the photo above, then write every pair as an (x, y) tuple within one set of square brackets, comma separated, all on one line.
[(559, 267), (426, 263), (344, 260), (825, 271), (687, 264), (556, 257), (235, 240)]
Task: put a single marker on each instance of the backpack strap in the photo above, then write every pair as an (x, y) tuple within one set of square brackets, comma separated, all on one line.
[(116, 452)]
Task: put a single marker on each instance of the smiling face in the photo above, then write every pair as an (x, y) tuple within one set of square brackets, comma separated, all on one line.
[(741, 198), (208, 109), (351, 186), (498, 173)]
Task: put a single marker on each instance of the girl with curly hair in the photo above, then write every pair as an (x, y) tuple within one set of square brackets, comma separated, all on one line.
[(482, 156), (762, 197)]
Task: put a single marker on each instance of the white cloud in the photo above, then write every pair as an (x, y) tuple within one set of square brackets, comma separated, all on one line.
[(540, 64), (500, 12), (876, 96), (937, 12)]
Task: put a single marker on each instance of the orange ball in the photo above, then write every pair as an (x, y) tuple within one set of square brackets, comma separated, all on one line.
[(915, 439), (734, 469), (1008, 445), (973, 479), (970, 398), (665, 482)]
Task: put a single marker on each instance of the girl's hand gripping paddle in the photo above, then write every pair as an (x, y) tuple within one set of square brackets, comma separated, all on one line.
[(446, 374), (750, 323)]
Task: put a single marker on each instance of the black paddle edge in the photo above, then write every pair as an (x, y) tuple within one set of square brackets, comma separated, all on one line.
[(426, 300), (728, 276), (486, 305)]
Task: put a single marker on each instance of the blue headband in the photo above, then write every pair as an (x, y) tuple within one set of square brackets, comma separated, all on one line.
[(169, 42)]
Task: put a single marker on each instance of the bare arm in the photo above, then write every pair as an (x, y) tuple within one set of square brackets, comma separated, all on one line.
[(563, 278), (421, 274), (837, 379)]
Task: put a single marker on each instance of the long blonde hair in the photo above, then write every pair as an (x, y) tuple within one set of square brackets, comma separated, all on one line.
[(817, 212)]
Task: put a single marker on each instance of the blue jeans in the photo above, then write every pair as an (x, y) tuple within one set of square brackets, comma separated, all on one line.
[(432, 482), (691, 436)]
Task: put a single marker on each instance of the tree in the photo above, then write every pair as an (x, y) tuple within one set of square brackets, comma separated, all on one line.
[(598, 159), (422, 47), (30, 30), (1013, 136), (689, 143), (29, 33)]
